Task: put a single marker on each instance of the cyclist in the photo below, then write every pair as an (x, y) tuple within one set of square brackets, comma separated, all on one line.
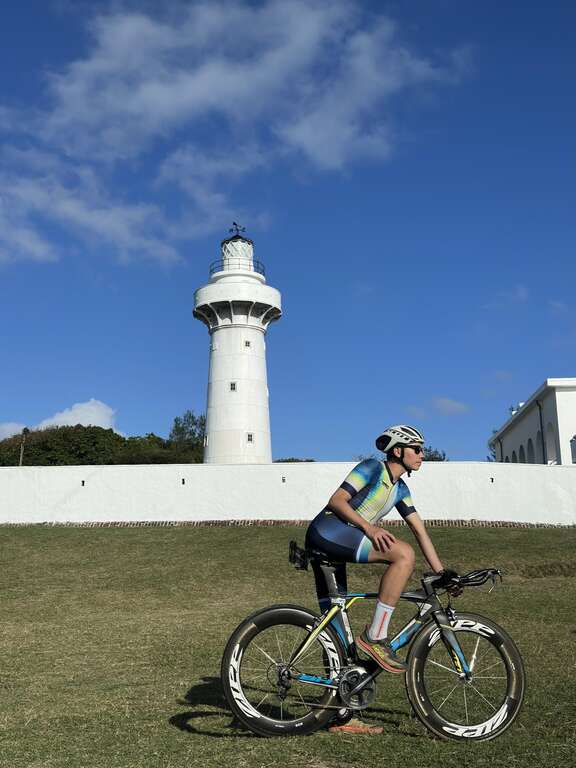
[(346, 530)]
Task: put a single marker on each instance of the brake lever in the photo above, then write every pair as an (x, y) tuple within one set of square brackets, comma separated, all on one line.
[(494, 576)]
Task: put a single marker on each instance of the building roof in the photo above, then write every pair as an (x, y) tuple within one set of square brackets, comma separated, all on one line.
[(565, 383)]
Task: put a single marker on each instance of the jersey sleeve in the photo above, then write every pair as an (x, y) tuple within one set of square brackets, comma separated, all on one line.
[(362, 475), (404, 505)]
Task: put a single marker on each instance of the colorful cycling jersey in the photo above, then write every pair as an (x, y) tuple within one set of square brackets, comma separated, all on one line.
[(373, 492)]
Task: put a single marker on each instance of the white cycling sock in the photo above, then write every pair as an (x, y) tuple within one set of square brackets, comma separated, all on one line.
[(379, 627)]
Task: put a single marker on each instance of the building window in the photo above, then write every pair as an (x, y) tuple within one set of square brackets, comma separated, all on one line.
[(539, 448), (551, 444), (232, 386), (573, 449), (247, 343), (250, 437)]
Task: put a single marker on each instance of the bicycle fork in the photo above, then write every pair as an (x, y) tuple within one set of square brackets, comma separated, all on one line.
[(446, 632)]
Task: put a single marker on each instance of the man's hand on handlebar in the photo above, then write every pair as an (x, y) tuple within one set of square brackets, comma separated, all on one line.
[(450, 578)]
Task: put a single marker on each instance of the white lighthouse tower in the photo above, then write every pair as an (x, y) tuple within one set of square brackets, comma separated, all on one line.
[(237, 306)]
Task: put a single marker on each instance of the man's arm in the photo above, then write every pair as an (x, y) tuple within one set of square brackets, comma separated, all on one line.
[(416, 525), (381, 539)]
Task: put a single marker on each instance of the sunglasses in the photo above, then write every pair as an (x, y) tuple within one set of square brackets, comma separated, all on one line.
[(418, 449)]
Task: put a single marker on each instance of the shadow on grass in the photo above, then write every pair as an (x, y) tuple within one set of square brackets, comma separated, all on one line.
[(207, 700)]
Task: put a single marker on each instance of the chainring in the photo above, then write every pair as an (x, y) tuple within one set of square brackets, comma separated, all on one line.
[(349, 679)]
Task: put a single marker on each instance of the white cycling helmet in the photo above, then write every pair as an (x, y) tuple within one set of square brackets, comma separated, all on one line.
[(401, 434)]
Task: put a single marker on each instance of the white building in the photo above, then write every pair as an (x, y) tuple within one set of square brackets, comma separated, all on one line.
[(541, 430), (237, 306)]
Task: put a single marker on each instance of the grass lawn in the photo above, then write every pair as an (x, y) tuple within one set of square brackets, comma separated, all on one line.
[(111, 640)]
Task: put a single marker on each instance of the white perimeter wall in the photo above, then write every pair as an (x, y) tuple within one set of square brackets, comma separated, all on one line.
[(441, 491)]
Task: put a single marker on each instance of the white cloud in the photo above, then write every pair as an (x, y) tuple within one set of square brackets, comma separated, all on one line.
[(342, 120), (145, 77), (199, 98), (449, 407), (517, 294), (93, 413), (444, 405), (190, 163), (416, 412), (317, 74), (202, 174), (558, 307), (502, 375), (36, 187), (360, 289), (9, 428)]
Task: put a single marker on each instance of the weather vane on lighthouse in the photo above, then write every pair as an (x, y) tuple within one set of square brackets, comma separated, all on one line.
[(237, 229), (237, 306)]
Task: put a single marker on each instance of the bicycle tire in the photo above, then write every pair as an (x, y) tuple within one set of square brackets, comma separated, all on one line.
[(252, 691), (495, 698)]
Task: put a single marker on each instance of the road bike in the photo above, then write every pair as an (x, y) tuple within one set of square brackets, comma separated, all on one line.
[(286, 670)]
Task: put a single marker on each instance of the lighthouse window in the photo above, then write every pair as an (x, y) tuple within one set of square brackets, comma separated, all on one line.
[(250, 437), (232, 386), (247, 343)]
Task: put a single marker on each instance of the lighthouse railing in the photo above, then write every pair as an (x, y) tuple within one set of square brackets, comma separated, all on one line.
[(237, 262)]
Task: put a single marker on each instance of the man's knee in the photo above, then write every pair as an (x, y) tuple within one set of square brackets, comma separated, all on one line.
[(406, 555)]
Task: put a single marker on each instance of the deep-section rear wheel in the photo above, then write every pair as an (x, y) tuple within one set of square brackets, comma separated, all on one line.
[(474, 708), (263, 689)]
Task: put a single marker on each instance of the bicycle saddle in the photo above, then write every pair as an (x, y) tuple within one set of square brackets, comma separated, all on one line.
[(300, 558)]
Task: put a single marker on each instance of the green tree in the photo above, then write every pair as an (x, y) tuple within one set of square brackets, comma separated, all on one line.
[(149, 449), (292, 460), (188, 429), (61, 446), (186, 438), (432, 454)]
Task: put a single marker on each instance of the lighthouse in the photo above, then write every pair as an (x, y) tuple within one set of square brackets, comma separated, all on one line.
[(237, 306)]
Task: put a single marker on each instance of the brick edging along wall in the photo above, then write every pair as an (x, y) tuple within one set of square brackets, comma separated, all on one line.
[(268, 523)]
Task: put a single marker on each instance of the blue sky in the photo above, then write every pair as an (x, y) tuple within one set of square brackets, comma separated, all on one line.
[(406, 171)]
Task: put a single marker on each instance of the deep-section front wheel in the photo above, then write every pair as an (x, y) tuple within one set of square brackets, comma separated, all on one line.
[(474, 707), (269, 695)]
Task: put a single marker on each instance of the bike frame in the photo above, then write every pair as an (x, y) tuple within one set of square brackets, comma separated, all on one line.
[(429, 609)]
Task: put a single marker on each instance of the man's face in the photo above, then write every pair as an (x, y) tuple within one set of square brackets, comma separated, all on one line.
[(413, 457)]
